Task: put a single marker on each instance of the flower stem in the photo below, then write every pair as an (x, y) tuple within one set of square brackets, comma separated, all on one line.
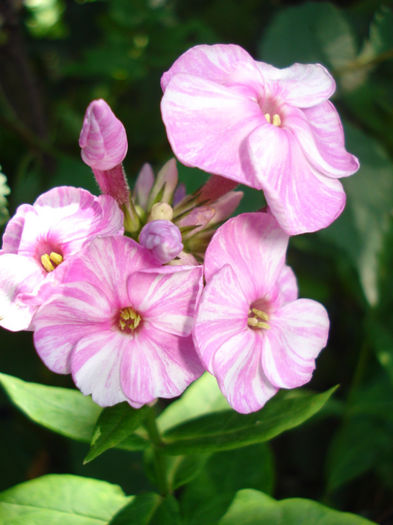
[(158, 457)]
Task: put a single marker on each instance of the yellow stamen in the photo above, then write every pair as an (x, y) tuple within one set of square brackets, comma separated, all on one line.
[(56, 258), (257, 319), (129, 319), (259, 313), (46, 263), (276, 120), (267, 117)]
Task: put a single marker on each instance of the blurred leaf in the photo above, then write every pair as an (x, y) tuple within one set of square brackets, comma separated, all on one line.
[(149, 509), (361, 228), (65, 411), (363, 442), (224, 474), (73, 172), (310, 32), (253, 508), (193, 178), (381, 33), (202, 397), (65, 499), (382, 338), (184, 468), (114, 425), (227, 430)]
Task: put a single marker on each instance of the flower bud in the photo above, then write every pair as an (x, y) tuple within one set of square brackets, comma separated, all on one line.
[(103, 139), (163, 239), (161, 210)]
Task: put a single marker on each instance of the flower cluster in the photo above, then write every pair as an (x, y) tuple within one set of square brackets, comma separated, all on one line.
[(137, 292)]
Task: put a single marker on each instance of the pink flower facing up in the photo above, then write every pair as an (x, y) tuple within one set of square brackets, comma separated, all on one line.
[(271, 129), (163, 239), (104, 145), (41, 238), (251, 331), (121, 324)]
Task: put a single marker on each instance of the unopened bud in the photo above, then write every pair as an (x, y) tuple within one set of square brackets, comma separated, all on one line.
[(161, 211), (103, 139), (163, 239)]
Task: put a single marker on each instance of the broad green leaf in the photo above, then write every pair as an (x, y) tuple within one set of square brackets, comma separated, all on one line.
[(223, 475), (227, 429), (114, 425), (382, 339), (310, 32), (251, 507), (62, 410), (360, 230), (61, 499), (182, 469), (149, 509), (202, 397)]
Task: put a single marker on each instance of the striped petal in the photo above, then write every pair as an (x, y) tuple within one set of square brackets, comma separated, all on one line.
[(297, 334), (157, 364), (254, 246), (167, 298), (301, 199)]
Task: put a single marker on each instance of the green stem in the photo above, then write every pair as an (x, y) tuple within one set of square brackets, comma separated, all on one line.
[(158, 456)]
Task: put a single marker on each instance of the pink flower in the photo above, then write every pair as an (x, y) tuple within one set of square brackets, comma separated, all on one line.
[(121, 324), (104, 145), (40, 238), (271, 129), (163, 239), (251, 331)]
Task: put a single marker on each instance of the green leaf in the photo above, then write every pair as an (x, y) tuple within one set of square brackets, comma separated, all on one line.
[(62, 410), (149, 509), (227, 430), (361, 228), (223, 475), (310, 32), (202, 397), (114, 425), (251, 507), (61, 499), (182, 469)]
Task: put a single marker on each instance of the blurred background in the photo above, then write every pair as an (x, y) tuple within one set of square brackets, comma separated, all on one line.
[(58, 55)]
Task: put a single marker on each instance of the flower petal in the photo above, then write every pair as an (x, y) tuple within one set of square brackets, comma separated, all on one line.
[(286, 285), (18, 275), (77, 310), (298, 332), (254, 246), (206, 122), (222, 313), (157, 364), (320, 134), (301, 199), (239, 373), (95, 365), (301, 85), (166, 298), (221, 63)]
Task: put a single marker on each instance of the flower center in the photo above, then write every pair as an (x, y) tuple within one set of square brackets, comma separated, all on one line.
[(275, 120), (51, 260), (128, 320)]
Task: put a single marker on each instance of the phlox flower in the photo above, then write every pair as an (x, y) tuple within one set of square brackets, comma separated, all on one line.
[(271, 129), (41, 238), (251, 331), (162, 238), (121, 325)]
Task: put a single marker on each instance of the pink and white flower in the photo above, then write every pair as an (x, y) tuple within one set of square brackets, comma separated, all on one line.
[(163, 239), (251, 331), (121, 325), (271, 129), (38, 241)]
